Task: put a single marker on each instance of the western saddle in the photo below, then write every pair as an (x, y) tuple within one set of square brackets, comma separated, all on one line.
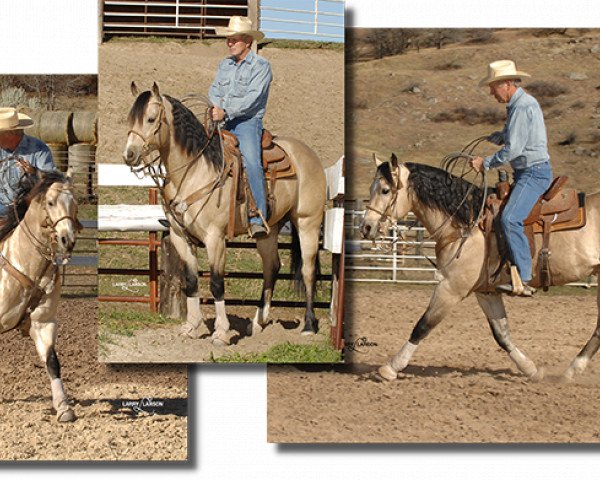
[(276, 164), (558, 209)]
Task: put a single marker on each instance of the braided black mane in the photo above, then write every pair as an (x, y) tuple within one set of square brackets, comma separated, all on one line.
[(436, 188), (32, 188), (191, 136)]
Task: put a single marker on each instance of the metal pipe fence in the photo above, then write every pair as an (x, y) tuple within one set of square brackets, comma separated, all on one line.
[(318, 19)]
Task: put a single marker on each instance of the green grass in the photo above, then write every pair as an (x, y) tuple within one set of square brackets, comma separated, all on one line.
[(287, 353), (126, 322)]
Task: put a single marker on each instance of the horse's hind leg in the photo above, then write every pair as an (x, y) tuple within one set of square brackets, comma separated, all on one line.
[(582, 359), (215, 249), (308, 234), (193, 327), (493, 307), (267, 248), (43, 334), (444, 297)]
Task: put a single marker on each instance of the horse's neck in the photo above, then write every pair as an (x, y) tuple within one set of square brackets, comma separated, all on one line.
[(22, 251), (437, 224), (187, 174)]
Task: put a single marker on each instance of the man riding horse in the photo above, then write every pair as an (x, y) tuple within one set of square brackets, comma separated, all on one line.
[(525, 148), (20, 155), (239, 94)]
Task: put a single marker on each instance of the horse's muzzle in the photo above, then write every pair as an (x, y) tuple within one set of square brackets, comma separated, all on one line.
[(132, 157), (369, 229)]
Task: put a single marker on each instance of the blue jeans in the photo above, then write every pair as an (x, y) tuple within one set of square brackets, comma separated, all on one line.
[(530, 184), (249, 133), (4, 209)]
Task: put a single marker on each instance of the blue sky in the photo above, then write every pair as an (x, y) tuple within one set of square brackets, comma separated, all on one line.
[(273, 17)]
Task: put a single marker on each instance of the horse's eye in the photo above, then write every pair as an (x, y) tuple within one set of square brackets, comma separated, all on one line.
[(385, 191), (152, 119), (50, 203)]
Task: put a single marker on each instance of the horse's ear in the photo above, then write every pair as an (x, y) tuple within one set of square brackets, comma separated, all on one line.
[(378, 162), (394, 161), (69, 173), (155, 90), (134, 89)]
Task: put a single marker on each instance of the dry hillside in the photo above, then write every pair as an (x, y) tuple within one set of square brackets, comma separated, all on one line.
[(425, 103)]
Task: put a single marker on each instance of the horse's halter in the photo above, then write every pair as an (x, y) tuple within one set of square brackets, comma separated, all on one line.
[(386, 216), (150, 145)]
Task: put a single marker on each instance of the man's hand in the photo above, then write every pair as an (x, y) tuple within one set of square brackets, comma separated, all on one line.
[(476, 164), (497, 138), (218, 114)]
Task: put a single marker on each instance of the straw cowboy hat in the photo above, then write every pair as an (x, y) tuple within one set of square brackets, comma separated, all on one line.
[(239, 26), (10, 119), (502, 70)]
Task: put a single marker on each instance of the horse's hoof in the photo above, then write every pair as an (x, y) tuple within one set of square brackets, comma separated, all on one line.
[(567, 376), (387, 373), (538, 376), (67, 415), (188, 330), (219, 342), (306, 333)]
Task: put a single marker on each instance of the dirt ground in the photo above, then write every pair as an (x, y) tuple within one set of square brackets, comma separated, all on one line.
[(105, 428), (459, 387), (160, 345), (306, 101)]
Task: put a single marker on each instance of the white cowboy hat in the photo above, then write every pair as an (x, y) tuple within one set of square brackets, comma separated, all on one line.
[(502, 70), (239, 26), (10, 119)]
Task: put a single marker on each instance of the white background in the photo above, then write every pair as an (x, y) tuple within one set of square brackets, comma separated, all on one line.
[(228, 403)]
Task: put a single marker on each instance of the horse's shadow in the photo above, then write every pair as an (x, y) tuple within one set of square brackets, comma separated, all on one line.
[(240, 326), (365, 371)]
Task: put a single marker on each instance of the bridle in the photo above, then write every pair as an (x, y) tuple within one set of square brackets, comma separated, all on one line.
[(45, 249), (386, 216), (156, 169)]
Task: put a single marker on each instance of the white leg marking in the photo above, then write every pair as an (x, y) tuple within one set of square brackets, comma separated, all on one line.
[(578, 365), (398, 362), (401, 359), (523, 363), (194, 318), (221, 324)]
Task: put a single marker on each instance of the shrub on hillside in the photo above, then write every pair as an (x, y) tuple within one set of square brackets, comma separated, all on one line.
[(471, 116), (546, 89)]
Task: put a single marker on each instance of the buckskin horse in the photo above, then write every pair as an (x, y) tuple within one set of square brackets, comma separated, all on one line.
[(29, 275), (196, 190), (446, 206)]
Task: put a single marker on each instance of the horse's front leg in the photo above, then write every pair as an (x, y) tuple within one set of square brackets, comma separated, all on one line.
[(582, 359), (215, 249), (267, 249), (443, 299), (194, 325), (493, 307), (43, 332)]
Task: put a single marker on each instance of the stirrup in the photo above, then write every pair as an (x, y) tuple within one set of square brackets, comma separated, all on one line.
[(516, 287)]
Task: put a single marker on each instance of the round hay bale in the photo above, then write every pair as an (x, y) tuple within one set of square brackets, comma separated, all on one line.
[(82, 156), (56, 127), (59, 155), (34, 130), (85, 127)]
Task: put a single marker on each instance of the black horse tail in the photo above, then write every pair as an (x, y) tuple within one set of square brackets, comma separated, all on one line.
[(296, 263)]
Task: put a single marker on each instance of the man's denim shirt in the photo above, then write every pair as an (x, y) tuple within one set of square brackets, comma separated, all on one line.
[(242, 89), (525, 141), (30, 149)]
